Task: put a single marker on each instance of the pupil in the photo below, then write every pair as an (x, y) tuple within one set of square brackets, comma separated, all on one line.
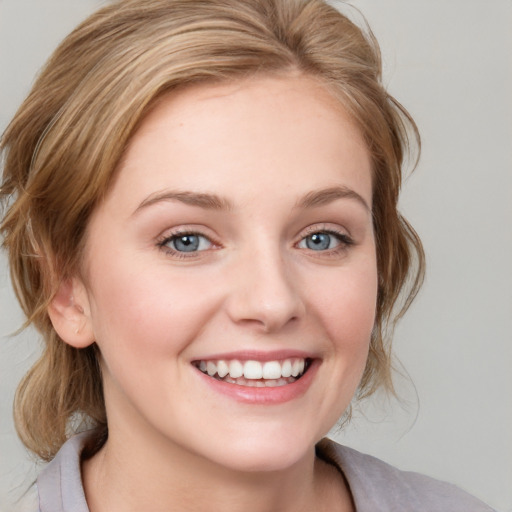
[(186, 243), (318, 241)]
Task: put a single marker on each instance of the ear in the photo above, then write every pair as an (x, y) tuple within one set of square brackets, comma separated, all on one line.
[(69, 312)]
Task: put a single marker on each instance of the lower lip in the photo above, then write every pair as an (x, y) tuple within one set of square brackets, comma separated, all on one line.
[(265, 396)]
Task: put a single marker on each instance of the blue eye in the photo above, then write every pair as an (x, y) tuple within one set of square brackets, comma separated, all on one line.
[(323, 241), (187, 242), (318, 241)]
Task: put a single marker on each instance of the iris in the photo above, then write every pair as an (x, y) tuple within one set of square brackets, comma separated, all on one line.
[(318, 241)]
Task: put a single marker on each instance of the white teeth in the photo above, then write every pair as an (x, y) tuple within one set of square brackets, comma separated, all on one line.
[(222, 368), (296, 367), (253, 370), (286, 368), (274, 383), (254, 373), (235, 369), (271, 370), (211, 368)]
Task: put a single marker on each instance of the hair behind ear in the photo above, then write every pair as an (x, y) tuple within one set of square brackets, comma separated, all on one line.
[(54, 392)]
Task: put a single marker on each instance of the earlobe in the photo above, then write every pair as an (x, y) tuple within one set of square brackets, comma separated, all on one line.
[(69, 313)]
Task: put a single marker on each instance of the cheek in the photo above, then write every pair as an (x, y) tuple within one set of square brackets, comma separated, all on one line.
[(348, 309), (140, 315)]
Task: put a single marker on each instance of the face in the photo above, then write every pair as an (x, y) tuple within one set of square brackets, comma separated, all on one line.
[(230, 273)]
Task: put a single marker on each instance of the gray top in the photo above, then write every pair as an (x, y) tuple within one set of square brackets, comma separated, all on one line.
[(375, 485)]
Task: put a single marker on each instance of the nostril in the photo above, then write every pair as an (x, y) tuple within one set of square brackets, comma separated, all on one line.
[(262, 293)]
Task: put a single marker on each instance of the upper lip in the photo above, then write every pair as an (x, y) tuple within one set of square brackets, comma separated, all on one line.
[(257, 355)]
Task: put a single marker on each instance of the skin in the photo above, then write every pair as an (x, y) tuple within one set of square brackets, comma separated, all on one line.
[(262, 146)]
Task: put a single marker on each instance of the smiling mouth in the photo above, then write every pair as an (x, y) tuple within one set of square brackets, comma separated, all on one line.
[(253, 373)]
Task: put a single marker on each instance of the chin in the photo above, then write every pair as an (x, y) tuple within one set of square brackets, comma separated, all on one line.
[(263, 453)]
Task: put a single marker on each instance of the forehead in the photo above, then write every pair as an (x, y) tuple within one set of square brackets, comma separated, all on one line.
[(287, 132)]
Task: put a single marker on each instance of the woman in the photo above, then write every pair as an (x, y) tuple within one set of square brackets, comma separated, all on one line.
[(203, 227)]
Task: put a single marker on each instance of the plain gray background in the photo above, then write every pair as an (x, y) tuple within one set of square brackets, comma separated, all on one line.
[(449, 63)]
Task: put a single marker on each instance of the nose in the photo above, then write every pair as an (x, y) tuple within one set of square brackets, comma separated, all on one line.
[(264, 293)]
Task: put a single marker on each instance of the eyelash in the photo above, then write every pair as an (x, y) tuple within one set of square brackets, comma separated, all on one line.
[(345, 242), (167, 239)]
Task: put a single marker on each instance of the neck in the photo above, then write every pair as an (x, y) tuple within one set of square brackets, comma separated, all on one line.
[(161, 477)]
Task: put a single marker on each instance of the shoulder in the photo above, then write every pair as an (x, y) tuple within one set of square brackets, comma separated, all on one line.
[(59, 485), (379, 487)]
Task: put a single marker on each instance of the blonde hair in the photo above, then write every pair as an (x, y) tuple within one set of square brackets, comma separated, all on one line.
[(63, 146)]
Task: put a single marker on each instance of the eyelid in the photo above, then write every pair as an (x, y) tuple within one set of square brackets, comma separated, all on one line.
[(324, 228), (344, 238), (172, 233)]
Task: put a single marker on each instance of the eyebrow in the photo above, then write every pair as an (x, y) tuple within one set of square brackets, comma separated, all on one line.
[(199, 199), (206, 201), (328, 195)]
